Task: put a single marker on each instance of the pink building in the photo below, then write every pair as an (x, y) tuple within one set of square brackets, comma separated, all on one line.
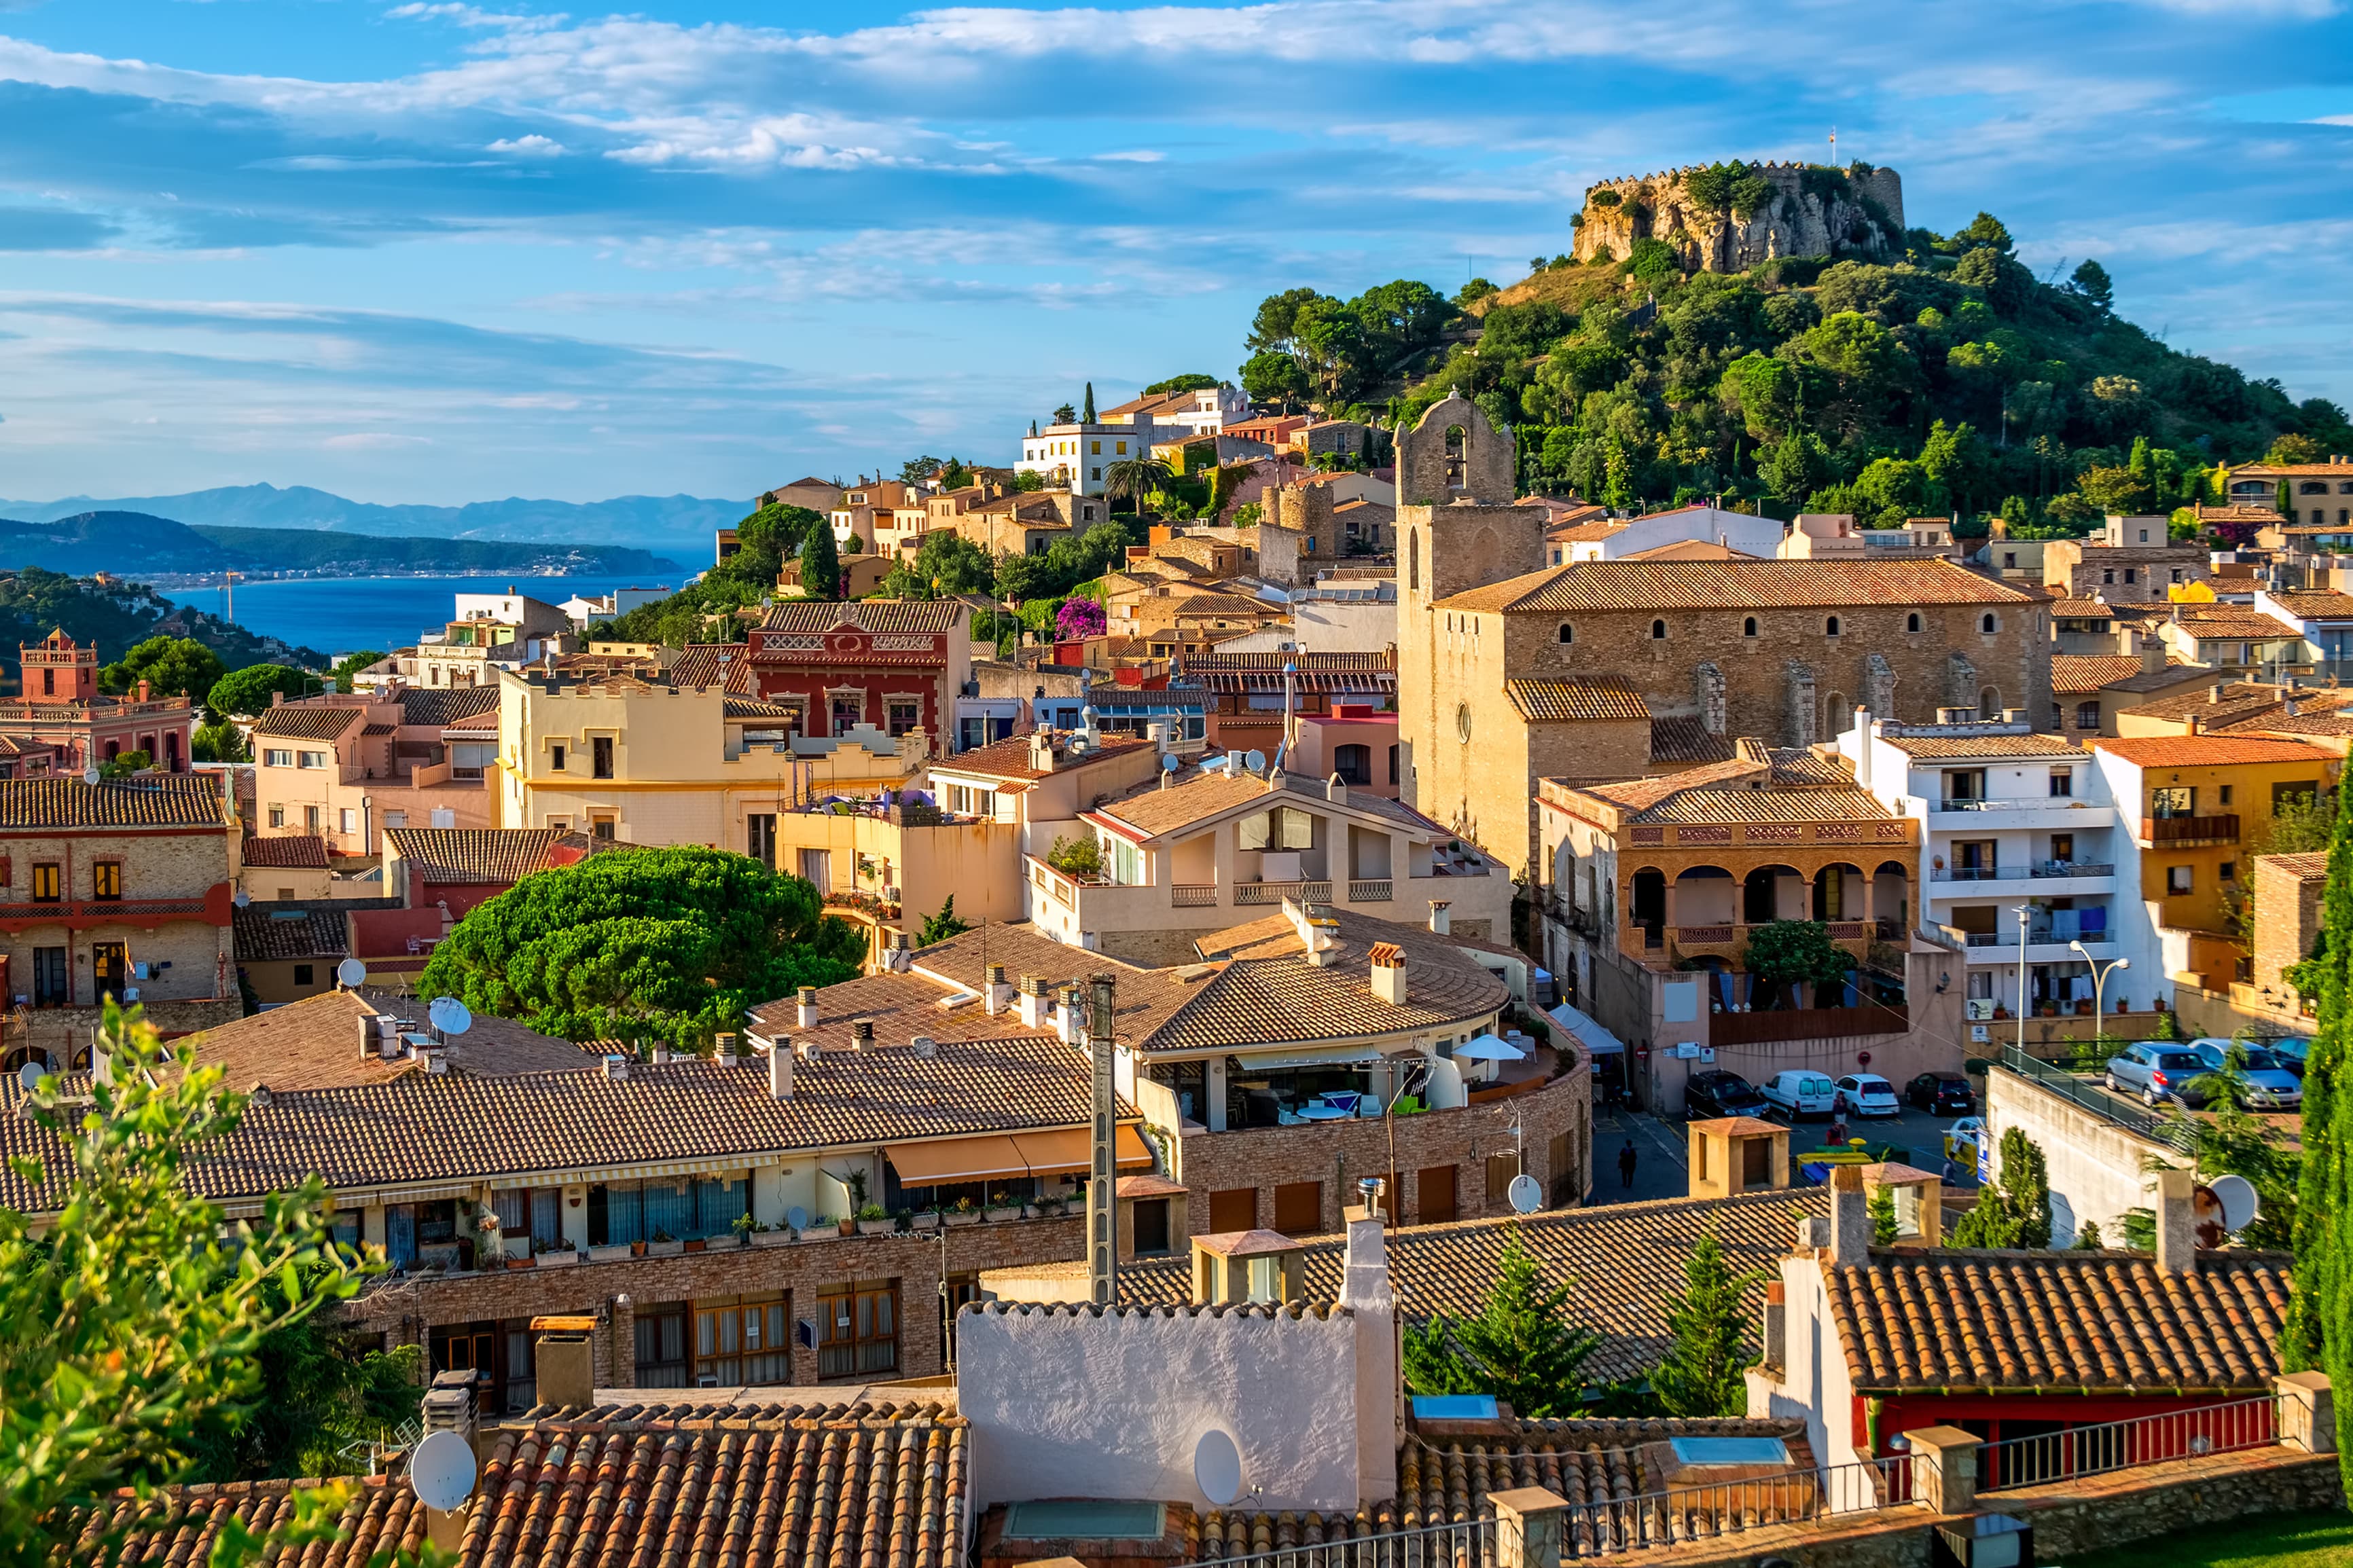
[(61, 723), (1355, 740)]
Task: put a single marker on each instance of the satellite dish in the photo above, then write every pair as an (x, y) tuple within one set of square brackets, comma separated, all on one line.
[(441, 1470), (1255, 762), (797, 1217), (1218, 1467), (242, 899), (29, 1075), (924, 1045), (2238, 1199), (350, 974), (1169, 764), (90, 775), (1526, 1193), (447, 1015)]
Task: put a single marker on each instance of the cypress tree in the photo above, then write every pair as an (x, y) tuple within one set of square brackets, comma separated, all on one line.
[(1087, 414), (1705, 1372), (820, 565), (2319, 1330)]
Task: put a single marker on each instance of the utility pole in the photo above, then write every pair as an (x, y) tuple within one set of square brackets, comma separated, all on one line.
[(1103, 1179)]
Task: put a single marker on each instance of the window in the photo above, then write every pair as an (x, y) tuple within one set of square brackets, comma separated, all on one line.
[(2177, 879), (601, 825), (1501, 1169), (310, 818), (1353, 764), (1234, 1208), (2296, 796), (1434, 1194), (760, 837), (859, 1329), (661, 1345), (1830, 626), (1568, 633), (556, 758), (2087, 715), (905, 716), (2132, 575), (2224, 794), (2063, 783), (52, 987), (817, 869), (46, 882), (277, 815), (2230, 871), (2312, 487), (1151, 1226), (1658, 631), (1299, 1208), (743, 1343), (1284, 828), (600, 757), (350, 819), (1990, 624), (276, 758), (2109, 576), (303, 974), (1096, 449), (1747, 627), (1393, 764), (314, 759), (106, 880), (2009, 557), (1911, 621), (2173, 800), (48, 683)]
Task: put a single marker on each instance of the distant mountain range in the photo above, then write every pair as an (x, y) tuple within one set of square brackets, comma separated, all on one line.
[(137, 544), (668, 523)]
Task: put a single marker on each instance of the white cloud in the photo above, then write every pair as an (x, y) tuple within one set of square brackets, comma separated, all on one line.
[(372, 441), (533, 146)]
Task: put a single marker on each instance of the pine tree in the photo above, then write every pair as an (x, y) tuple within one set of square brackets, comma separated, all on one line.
[(2025, 1188), (2319, 1331), (1704, 1372), (1882, 1216), (820, 565), (1521, 1348)]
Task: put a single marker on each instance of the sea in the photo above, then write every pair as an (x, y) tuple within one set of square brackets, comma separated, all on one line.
[(342, 615)]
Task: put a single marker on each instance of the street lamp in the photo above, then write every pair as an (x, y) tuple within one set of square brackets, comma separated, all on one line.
[(2100, 973), (2021, 912)]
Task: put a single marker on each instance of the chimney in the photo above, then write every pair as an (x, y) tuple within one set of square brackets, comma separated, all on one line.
[(722, 1046), (996, 994), (1774, 1335), (1067, 1021), (1849, 1219), (449, 1406), (1335, 789), (563, 1359), (616, 1069), (368, 1038), (2215, 692), (1388, 972), (1862, 758), (143, 686), (861, 1036), (277, 700), (2288, 708), (1031, 1002), (780, 1069), (1041, 750), (1442, 919), (2176, 1223), (1366, 1291), (805, 1008), (2152, 655), (2196, 724)]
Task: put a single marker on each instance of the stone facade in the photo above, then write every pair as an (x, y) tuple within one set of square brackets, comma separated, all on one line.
[(2288, 890), (1298, 534), (1812, 211), (2128, 574)]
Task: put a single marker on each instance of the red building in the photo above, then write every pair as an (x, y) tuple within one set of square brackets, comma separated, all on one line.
[(62, 724), (894, 665)]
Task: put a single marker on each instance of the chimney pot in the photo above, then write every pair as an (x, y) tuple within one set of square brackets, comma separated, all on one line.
[(861, 1035), (2176, 1223), (805, 1008), (617, 1068), (996, 995), (1441, 918)]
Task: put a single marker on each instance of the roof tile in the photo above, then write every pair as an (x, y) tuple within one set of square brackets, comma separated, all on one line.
[(1735, 585)]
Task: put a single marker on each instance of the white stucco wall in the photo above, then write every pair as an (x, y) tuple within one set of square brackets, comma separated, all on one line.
[(2097, 1167), (1067, 1403)]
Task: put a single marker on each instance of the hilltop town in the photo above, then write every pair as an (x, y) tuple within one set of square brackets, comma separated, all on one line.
[(1676, 913)]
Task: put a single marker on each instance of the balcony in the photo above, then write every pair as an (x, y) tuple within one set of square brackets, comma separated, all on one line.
[(2187, 832), (2043, 879), (1727, 939), (1275, 892), (2043, 946), (2061, 812), (1193, 895), (1377, 891), (1717, 835), (149, 913)]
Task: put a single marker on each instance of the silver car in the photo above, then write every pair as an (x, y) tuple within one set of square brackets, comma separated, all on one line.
[(2263, 1083)]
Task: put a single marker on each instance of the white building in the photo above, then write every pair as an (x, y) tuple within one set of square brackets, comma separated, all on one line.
[(2011, 820), (586, 612), (1759, 536), (1332, 615), (1076, 456), (1204, 411)]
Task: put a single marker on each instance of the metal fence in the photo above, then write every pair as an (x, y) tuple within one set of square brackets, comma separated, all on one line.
[(2165, 1130), (2122, 1445)]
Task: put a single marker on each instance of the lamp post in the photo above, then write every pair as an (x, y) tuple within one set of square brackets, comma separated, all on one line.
[(2100, 973), (2021, 913)]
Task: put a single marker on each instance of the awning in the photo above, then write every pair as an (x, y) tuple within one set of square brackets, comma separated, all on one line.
[(957, 1160), (1329, 1057), (1597, 1040), (1068, 1150)]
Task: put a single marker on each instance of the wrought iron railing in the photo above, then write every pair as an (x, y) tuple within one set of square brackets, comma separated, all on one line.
[(2169, 1130), (2109, 1445)]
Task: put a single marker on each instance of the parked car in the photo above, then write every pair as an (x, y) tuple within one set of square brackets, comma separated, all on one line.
[(1961, 1140), (2263, 1084), (1719, 1093), (1942, 1093), (1868, 1094), (2158, 1070), (2287, 1052), (1799, 1092)]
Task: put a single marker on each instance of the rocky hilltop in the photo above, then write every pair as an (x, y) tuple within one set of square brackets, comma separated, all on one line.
[(1729, 217)]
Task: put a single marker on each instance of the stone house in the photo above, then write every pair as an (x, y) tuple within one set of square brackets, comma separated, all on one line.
[(2288, 891), (2128, 562)]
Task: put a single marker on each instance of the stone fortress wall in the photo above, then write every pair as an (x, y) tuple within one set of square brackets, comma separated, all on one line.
[(1855, 211)]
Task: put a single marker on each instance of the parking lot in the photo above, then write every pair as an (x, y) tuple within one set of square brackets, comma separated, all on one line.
[(1660, 1145)]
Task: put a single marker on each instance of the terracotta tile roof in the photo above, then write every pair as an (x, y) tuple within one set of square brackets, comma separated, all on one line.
[(2082, 610), (751, 707), (1588, 532), (2090, 1322), (314, 1044), (2240, 698), (2277, 721), (866, 615), (1445, 1480), (473, 854), (1640, 795), (457, 1127), (1201, 663), (1808, 804), (1544, 702), (709, 664), (298, 850), (1621, 1263), (1009, 758), (1225, 605), (1793, 765), (2233, 623), (2307, 868), (1735, 585), (2316, 606), (1691, 550), (2165, 680), (2081, 674), (1153, 812), (181, 1524), (437, 706), (152, 800), (1266, 995), (307, 721), (2333, 471), (265, 931), (2209, 750), (1932, 747), (1682, 738)]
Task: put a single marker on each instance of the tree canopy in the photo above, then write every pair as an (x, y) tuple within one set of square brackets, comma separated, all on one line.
[(172, 667), (820, 565), (1521, 1347), (243, 693), (646, 945), (1193, 380), (349, 664), (705, 611), (1705, 1367), (1788, 953)]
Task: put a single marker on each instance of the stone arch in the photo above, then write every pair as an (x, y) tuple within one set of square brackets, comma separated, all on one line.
[(1990, 703), (1458, 458), (1836, 713), (1453, 452), (1761, 893)]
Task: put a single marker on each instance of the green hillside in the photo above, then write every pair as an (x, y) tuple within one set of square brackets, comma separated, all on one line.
[(1951, 381), (116, 615)]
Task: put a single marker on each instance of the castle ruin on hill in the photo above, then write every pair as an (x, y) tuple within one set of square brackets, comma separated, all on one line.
[(1719, 220)]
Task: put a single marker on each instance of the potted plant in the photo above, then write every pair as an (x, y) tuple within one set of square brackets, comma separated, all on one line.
[(874, 1219), (848, 1224), (1002, 1206), (2046, 1009), (771, 1236), (555, 1254), (662, 1244), (963, 1211), (2084, 1007), (613, 1251), (924, 1219), (821, 1224), (743, 1228)]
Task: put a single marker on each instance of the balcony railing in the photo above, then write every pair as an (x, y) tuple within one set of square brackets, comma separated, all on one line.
[(2041, 868), (2037, 936), (1374, 890), (1275, 892), (1716, 835), (102, 909), (2109, 1445), (2161, 832), (1193, 895), (2021, 803)]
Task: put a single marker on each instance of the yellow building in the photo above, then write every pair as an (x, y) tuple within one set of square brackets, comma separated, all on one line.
[(2200, 807)]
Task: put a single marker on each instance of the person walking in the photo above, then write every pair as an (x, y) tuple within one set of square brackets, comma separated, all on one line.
[(1626, 1159)]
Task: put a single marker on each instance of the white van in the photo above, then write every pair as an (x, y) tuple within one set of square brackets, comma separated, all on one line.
[(1799, 1092)]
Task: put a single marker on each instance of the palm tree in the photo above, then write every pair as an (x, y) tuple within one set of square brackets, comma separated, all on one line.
[(1132, 476)]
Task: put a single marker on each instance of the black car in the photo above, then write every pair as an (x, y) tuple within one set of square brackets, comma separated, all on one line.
[(1941, 1094), (1720, 1093)]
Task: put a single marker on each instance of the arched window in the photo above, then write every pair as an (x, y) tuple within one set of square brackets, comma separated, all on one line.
[(1748, 628), (1992, 622), (1413, 560), (1458, 457), (1989, 703), (1911, 621), (1567, 633), (1830, 626), (1658, 630)]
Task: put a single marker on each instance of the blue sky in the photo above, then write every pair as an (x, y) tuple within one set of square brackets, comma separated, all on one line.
[(437, 252)]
